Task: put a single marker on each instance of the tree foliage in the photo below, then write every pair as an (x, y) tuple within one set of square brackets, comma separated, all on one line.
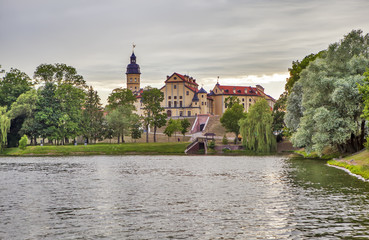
[(185, 124), (119, 97), (153, 112), (230, 118), (326, 108), (92, 116), (121, 120), (256, 128), (4, 127)]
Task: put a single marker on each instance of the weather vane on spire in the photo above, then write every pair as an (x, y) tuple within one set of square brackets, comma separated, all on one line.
[(133, 47), (218, 80)]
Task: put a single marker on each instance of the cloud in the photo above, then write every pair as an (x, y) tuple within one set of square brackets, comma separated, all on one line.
[(228, 38)]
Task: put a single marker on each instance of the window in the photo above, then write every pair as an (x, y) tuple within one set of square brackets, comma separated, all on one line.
[(189, 113), (180, 97), (135, 88), (135, 79), (243, 99), (169, 97), (202, 103), (225, 105), (169, 104), (249, 99), (243, 104), (175, 97), (130, 79), (216, 90), (187, 93), (205, 103), (175, 78), (180, 113), (175, 103), (202, 96), (180, 103), (175, 86)]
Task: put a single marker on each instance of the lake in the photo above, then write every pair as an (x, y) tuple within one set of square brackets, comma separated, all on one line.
[(179, 197)]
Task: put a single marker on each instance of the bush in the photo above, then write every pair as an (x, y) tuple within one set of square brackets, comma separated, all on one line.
[(211, 144), (23, 142), (225, 140)]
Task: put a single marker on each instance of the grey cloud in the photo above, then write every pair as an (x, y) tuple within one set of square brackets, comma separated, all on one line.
[(205, 38)]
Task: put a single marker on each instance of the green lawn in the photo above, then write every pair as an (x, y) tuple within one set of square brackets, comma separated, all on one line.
[(101, 149), (357, 163)]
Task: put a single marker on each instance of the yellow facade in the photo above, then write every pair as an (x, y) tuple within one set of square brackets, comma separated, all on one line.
[(133, 82), (182, 98)]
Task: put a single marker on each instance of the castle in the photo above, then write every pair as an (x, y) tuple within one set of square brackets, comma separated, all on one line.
[(183, 98)]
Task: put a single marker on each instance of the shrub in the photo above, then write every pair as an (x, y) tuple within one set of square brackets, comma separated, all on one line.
[(211, 144), (23, 142), (225, 140)]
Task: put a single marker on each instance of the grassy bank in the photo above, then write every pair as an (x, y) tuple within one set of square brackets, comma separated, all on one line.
[(101, 149), (357, 163)]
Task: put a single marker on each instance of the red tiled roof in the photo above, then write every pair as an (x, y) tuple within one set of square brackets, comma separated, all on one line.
[(192, 89), (251, 91)]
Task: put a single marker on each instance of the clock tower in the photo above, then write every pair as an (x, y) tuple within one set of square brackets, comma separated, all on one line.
[(133, 74)]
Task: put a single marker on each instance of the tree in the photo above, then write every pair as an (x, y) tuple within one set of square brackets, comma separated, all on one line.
[(151, 99), (231, 100), (25, 108), (121, 96), (121, 121), (136, 131), (364, 91), (230, 119), (256, 128), (169, 130), (92, 116), (298, 67), (185, 124), (278, 113), (4, 127), (331, 105), (64, 92), (12, 85)]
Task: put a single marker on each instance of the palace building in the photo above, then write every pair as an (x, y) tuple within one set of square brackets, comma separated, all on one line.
[(183, 98)]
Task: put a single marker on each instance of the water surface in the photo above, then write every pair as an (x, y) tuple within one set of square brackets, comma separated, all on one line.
[(180, 197)]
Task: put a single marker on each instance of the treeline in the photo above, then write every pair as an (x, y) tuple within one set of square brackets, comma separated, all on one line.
[(58, 106), (326, 98)]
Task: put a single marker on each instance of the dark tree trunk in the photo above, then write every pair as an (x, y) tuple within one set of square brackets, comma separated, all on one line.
[(147, 133), (118, 138), (154, 133)]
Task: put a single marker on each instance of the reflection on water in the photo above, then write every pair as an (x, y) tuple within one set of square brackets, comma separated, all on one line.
[(159, 197)]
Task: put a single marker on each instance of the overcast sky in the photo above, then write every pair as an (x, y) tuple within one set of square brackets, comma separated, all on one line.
[(244, 42)]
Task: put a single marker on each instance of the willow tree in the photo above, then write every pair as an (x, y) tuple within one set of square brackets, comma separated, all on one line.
[(4, 127), (327, 106), (257, 128)]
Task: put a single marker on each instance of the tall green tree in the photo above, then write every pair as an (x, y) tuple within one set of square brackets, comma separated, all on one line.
[(121, 96), (230, 118), (92, 116), (256, 128), (121, 120), (4, 127), (66, 100), (331, 105), (153, 112), (185, 124), (25, 107), (12, 85)]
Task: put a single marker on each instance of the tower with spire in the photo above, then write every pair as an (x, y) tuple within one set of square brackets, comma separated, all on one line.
[(133, 73)]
